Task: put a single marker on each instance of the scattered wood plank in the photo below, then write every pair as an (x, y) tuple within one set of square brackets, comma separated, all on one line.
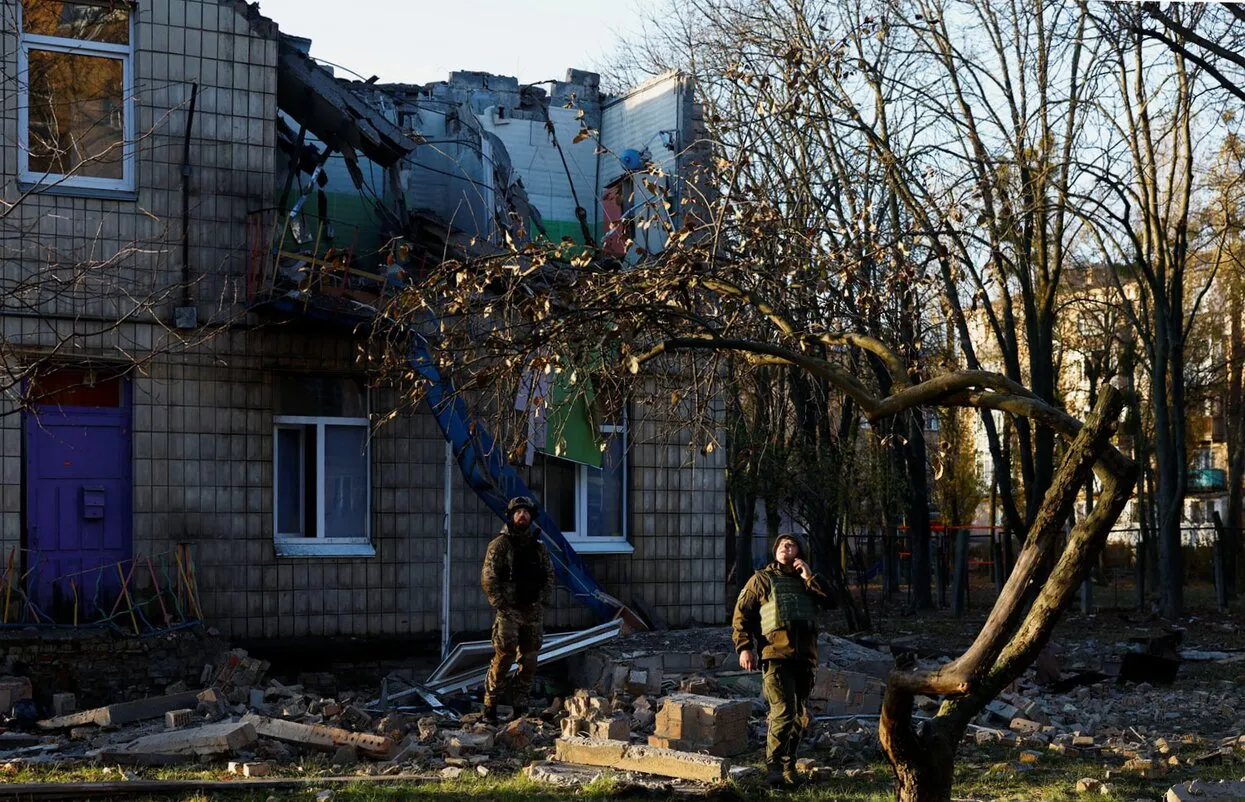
[(118, 756), (319, 736), (16, 740), (209, 788), (121, 713)]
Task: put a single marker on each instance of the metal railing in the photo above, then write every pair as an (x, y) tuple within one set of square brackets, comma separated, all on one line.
[(143, 595)]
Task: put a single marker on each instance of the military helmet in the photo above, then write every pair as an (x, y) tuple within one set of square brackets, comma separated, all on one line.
[(521, 502), (794, 538)]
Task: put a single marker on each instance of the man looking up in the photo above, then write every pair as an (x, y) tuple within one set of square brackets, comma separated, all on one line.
[(775, 629)]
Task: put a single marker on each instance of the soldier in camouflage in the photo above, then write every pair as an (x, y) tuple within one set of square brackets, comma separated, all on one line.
[(775, 628), (517, 578)]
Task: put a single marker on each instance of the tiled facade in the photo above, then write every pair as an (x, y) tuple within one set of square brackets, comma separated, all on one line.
[(203, 400)]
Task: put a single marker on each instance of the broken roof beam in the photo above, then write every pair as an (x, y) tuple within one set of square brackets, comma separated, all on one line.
[(337, 116)]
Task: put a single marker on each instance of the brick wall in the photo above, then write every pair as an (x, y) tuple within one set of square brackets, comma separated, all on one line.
[(100, 667)]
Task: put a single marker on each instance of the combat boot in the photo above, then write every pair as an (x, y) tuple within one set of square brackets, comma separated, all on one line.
[(793, 779), (490, 713), (774, 775)]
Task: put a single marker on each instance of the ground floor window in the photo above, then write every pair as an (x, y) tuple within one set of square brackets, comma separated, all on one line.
[(589, 504), (321, 471)]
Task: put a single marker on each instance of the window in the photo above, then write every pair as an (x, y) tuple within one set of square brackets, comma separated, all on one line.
[(589, 504), (616, 205), (75, 94), (322, 477)]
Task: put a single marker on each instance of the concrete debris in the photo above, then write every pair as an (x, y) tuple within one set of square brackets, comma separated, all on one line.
[(466, 740), (646, 759), (663, 708), (702, 724), (345, 755), (176, 719), (564, 774), (1204, 791), (122, 713), (207, 741), (64, 703), (515, 736), (593, 716), (12, 691), (642, 715), (738, 773), (839, 693), (250, 769), (318, 736), (238, 674), (570, 775), (1087, 785)]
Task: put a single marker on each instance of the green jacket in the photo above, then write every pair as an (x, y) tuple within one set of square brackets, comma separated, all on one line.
[(797, 640), (517, 574)]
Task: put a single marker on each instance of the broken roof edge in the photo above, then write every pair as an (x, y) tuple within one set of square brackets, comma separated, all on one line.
[(261, 25), (643, 86), (331, 110)]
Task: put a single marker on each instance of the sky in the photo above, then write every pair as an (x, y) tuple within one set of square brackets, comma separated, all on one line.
[(420, 41)]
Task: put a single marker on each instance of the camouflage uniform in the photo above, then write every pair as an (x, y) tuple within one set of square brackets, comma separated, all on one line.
[(786, 644), (517, 578)]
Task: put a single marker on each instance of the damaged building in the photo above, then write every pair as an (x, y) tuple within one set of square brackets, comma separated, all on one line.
[(175, 450)]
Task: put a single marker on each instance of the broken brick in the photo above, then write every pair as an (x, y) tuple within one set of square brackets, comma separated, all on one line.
[(176, 719)]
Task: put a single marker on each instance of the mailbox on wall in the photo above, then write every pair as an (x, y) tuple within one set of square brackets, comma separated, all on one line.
[(93, 502)]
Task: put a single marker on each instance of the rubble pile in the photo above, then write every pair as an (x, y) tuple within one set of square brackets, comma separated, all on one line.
[(258, 727), (658, 710)]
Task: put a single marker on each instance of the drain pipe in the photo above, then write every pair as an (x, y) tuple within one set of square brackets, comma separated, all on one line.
[(187, 316), (449, 543)]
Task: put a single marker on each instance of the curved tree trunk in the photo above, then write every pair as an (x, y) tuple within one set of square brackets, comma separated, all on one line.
[(1015, 631)]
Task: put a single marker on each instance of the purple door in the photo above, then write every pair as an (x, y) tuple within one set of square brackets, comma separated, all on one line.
[(78, 496)]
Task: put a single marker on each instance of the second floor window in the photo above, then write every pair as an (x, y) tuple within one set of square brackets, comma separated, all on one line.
[(75, 94)]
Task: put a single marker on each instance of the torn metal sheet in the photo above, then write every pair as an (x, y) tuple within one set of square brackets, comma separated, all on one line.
[(429, 698), (564, 646), (460, 657), (337, 116)]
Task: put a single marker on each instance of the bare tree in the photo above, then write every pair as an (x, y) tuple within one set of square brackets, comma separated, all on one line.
[(1147, 219)]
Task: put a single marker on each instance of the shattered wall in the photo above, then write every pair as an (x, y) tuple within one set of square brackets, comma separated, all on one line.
[(547, 181), (202, 434), (656, 118), (479, 133)]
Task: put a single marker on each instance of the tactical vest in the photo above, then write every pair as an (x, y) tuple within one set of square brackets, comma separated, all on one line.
[(527, 569), (789, 602)]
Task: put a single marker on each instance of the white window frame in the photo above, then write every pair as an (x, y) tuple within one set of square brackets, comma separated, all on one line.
[(78, 47), (602, 544), (288, 545)]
